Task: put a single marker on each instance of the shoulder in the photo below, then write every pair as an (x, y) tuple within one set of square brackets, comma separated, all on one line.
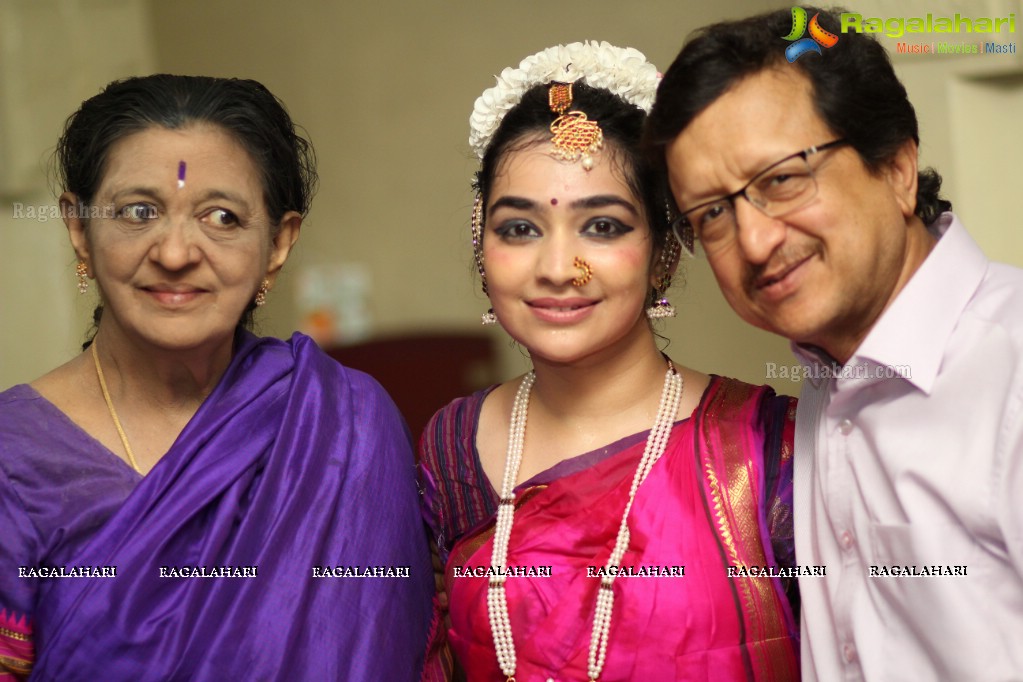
[(20, 428), (727, 398), (23, 415), (986, 344), (313, 365), (455, 494), (452, 429), (17, 398), (999, 300), (754, 415)]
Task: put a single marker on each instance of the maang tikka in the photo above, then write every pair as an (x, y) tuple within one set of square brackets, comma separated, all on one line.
[(574, 135)]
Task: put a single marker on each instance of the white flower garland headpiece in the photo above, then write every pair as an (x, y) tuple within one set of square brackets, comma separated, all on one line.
[(623, 71)]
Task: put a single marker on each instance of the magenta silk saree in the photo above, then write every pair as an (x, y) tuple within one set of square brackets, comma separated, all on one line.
[(711, 502)]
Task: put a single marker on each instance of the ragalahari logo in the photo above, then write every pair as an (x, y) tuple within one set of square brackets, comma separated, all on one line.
[(818, 36)]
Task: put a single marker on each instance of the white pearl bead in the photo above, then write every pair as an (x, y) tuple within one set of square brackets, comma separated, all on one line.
[(497, 605)]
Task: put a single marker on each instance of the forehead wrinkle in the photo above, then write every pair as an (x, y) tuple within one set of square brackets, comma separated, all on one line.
[(156, 195), (141, 190)]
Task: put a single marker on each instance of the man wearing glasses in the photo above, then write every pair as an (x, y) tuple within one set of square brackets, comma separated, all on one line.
[(800, 180)]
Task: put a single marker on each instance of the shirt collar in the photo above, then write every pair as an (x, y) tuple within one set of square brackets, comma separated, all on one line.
[(912, 333)]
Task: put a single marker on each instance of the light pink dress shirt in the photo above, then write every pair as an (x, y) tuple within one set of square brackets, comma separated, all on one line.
[(921, 470)]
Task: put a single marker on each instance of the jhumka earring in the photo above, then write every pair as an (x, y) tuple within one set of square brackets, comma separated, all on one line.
[(660, 307), (488, 317), (264, 288), (683, 232), (574, 135), (82, 272)]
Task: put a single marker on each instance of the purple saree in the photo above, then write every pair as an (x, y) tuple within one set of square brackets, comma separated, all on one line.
[(294, 466), (718, 498)]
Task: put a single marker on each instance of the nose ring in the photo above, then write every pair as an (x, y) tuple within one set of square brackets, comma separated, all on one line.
[(586, 272)]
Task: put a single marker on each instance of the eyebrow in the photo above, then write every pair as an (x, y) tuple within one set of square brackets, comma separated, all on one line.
[(154, 194), (520, 203), (143, 191), (596, 201), (602, 200)]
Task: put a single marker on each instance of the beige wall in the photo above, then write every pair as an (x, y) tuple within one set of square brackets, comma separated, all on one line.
[(53, 54), (385, 90)]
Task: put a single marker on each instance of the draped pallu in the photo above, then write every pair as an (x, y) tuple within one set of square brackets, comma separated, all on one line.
[(292, 463), (712, 501)]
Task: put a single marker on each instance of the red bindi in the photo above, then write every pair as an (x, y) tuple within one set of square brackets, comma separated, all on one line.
[(554, 202)]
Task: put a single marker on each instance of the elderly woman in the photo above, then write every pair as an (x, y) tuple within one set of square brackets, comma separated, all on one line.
[(595, 516), (185, 500)]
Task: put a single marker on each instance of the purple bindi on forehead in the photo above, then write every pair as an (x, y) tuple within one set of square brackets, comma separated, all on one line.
[(181, 174), (554, 202)]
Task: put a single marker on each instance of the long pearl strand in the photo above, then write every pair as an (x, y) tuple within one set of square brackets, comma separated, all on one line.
[(497, 604)]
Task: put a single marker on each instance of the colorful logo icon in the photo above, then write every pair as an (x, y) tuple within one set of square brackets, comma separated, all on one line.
[(818, 36)]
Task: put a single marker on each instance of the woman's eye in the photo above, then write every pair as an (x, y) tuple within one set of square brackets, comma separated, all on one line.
[(516, 230), (220, 217), (138, 213), (606, 227)]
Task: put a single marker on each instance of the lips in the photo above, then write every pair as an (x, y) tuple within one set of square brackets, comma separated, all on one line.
[(781, 280), (173, 294), (562, 310)]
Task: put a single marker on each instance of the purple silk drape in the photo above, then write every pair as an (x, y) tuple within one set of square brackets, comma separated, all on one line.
[(293, 462)]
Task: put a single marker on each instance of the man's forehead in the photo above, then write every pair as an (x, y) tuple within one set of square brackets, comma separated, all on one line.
[(771, 97), (761, 117)]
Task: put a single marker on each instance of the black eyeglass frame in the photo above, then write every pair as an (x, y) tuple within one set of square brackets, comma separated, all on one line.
[(681, 224)]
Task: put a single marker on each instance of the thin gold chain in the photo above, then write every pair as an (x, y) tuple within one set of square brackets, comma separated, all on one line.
[(110, 407)]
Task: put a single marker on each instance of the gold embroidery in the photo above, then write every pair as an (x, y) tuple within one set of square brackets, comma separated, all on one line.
[(737, 519), (790, 420), (16, 666), (4, 632), (726, 533)]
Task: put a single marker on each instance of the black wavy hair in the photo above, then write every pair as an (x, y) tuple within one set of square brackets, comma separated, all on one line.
[(252, 115), (621, 124), (855, 89)]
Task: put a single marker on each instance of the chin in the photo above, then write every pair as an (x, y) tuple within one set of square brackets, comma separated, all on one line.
[(185, 339)]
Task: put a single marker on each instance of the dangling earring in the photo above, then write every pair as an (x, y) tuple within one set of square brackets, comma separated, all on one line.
[(82, 271), (684, 233), (660, 306), (264, 287), (488, 317)]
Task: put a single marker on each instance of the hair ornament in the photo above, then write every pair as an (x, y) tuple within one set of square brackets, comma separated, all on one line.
[(573, 134), (623, 71)]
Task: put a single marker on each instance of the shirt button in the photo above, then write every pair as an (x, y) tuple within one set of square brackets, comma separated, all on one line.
[(849, 653), (847, 539), (845, 427)]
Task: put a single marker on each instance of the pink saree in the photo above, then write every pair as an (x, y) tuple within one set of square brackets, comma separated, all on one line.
[(706, 505)]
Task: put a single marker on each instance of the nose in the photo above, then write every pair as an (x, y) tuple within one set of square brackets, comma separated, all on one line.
[(554, 261), (175, 246), (757, 234)]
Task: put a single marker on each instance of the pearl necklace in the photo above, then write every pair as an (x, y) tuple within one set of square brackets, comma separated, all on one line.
[(497, 604)]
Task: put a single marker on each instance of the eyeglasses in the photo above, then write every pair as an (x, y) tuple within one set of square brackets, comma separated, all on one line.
[(781, 187)]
